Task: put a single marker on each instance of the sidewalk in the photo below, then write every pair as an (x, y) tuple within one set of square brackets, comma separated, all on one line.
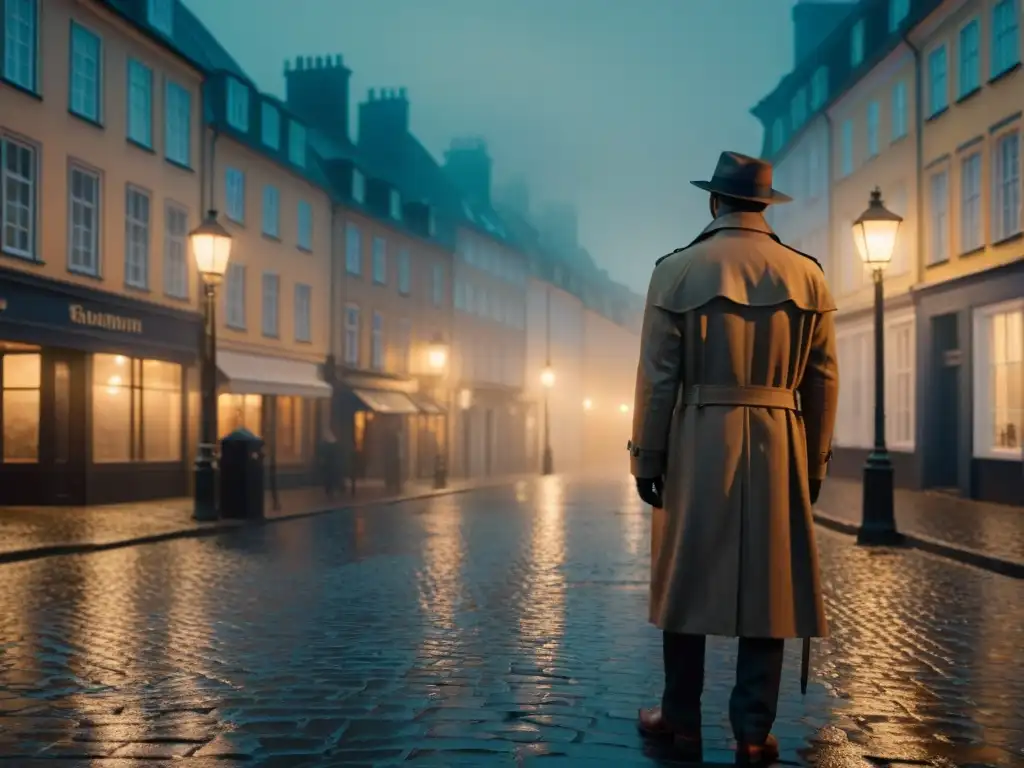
[(987, 535), (27, 533)]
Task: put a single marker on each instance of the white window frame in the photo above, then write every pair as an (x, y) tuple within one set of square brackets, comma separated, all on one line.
[(874, 118), (982, 318), (900, 382), (377, 351), (437, 285), (304, 223), (1004, 43), (176, 263), (898, 10), (358, 186), (271, 211), (9, 178), (270, 305), (303, 313), (972, 228), (1006, 191), (177, 124), (270, 125), (352, 322), (404, 272), (854, 426), (78, 207), (237, 104), (234, 194), (938, 80), (160, 14), (21, 43), (846, 148), (297, 144), (140, 103), (234, 297), (968, 58), (353, 250), (85, 86), (380, 261), (819, 87), (395, 205), (857, 35), (899, 110), (138, 225), (938, 217)]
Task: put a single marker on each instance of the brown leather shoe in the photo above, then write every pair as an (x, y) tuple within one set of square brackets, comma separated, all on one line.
[(758, 754), (651, 723)]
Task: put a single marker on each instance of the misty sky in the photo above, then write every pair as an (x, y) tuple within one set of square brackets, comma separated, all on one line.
[(613, 104)]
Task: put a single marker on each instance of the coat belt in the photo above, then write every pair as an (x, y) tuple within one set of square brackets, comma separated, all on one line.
[(739, 395)]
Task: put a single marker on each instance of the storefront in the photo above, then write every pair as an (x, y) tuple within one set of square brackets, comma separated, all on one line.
[(94, 401), (284, 401), (970, 348), (490, 435)]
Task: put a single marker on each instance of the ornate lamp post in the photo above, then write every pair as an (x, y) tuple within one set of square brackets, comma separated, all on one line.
[(547, 379), (437, 362), (875, 232), (211, 245)]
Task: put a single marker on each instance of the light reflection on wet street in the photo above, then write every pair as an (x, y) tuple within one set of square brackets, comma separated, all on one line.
[(504, 626)]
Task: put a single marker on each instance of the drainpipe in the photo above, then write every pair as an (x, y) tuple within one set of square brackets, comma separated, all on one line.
[(919, 157)]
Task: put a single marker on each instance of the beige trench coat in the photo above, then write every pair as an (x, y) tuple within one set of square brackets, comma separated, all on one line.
[(750, 322)]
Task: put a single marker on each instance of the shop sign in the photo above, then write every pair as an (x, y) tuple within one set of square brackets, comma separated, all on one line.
[(106, 321)]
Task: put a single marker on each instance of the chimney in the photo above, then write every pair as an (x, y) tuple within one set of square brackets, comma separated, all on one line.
[(469, 166), (317, 91), (813, 20), (383, 120)]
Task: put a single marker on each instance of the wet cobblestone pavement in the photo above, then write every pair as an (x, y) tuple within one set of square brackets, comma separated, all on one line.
[(498, 627)]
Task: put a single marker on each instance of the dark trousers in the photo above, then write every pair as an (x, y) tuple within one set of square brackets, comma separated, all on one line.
[(755, 697)]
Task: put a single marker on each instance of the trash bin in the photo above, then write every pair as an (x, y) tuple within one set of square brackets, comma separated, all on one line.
[(241, 476)]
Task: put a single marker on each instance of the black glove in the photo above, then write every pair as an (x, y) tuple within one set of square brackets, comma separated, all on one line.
[(815, 486), (649, 489)]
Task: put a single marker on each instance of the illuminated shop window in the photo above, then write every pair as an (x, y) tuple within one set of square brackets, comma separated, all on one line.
[(239, 412), (22, 376)]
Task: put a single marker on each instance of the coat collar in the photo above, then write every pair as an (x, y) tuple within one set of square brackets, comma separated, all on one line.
[(755, 222)]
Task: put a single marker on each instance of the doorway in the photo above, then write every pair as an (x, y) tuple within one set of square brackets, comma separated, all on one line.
[(942, 458)]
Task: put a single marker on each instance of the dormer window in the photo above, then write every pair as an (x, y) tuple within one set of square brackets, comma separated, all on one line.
[(270, 120), (238, 105), (160, 14), (358, 186), (297, 144), (395, 205), (857, 44)]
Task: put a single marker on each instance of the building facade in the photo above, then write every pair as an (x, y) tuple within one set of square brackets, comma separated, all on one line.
[(100, 145)]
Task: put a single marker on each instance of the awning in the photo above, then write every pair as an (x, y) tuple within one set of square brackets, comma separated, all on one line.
[(263, 375), (384, 401), (426, 405)]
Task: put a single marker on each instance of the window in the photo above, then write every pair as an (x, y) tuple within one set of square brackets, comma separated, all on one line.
[(271, 211), (22, 378), (270, 125), (305, 222), (403, 345), (969, 66), (271, 285), (84, 202), (18, 191), (21, 42), (358, 186), (854, 423), (136, 238), (352, 335), (239, 412), (297, 144), (1005, 45), (939, 200), (1006, 178), (437, 286), (175, 251), (899, 110), (798, 108), (873, 116), (999, 380), (938, 86), (303, 312), (178, 124), (380, 265), (238, 104), (846, 149), (291, 446), (86, 73), (899, 385), (353, 250), (819, 88), (140, 103), (896, 201), (404, 272), (234, 297), (161, 15), (971, 237), (377, 342), (898, 10), (395, 205), (857, 44), (136, 410), (234, 194)]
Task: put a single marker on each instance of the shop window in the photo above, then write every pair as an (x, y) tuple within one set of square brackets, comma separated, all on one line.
[(239, 412), (22, 376), (136, 410), (292, 445)]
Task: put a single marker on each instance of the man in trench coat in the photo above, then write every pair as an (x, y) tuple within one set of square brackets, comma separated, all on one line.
[(735, 404)]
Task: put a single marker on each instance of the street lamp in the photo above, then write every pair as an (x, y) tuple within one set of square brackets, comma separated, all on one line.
[(588, 404), (437, 355), (875, 232), (211, 246), (437, 361), (547, 379)]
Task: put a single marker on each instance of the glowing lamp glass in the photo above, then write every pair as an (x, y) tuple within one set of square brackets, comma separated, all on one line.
[(211, 247), (547, 377), (874, 233)]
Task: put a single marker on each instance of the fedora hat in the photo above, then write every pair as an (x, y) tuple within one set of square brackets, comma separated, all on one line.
[(743, 177)]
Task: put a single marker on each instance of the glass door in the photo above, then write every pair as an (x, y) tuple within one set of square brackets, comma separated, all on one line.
[(63, 427)]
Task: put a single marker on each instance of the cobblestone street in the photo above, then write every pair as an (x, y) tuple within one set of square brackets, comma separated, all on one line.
[(496, 627)]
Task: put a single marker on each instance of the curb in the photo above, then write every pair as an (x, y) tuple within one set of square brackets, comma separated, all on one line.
[(1003, 566), (203, 530)]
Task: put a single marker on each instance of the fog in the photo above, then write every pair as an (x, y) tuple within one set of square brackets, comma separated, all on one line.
[(613, 105)]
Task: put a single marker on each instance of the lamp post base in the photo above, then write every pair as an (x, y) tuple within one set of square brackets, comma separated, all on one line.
[(878, 516), (547, 462), (204, 498)]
